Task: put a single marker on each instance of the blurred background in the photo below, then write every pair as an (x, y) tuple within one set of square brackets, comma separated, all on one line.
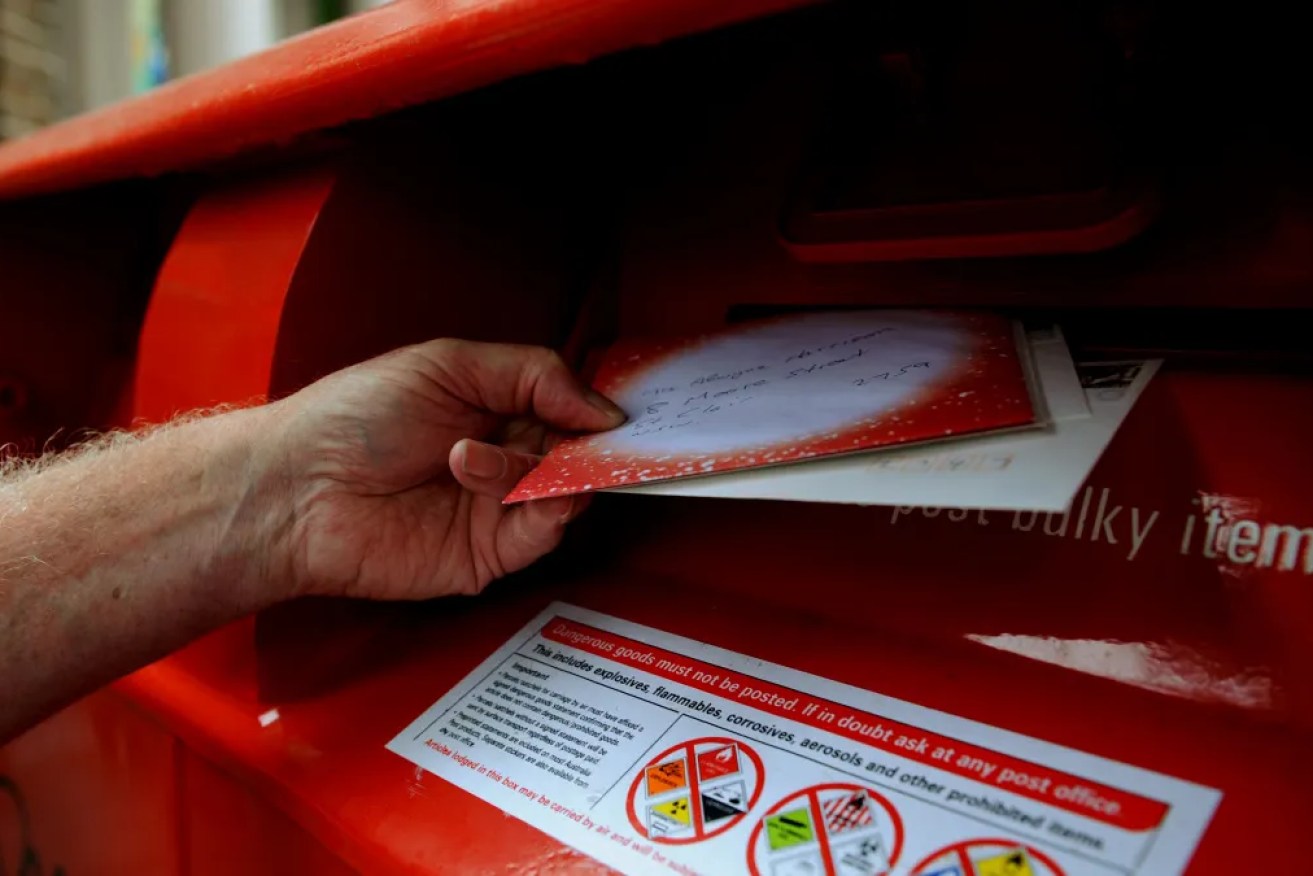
[(59, 58)]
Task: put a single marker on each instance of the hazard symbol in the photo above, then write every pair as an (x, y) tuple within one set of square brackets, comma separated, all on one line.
[(669, 817), (846, 813), (714, 810), (1013, 862), (847, 830), (733, 794), (669, 802), (717, 762), (987, 857), (668, 776), (861, 857), (788, 829)]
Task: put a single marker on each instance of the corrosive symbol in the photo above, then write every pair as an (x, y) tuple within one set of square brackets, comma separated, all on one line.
[(731, 794)]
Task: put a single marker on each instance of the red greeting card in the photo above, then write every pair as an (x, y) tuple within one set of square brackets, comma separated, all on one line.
[(789, 389)]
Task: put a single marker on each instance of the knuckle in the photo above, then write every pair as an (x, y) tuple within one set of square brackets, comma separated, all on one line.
[(550, 360), (438, 348)]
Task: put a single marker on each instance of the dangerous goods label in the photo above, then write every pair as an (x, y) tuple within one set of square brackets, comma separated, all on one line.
[(657, 754)]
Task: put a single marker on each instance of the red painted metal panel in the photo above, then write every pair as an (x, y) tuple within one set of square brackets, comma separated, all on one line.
[(404, 53), (1058, 636), (231, 829), (214, 315), (92, 790), (1169, 657)]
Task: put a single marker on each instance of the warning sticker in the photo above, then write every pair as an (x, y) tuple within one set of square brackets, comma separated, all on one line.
[(861, 857), (788, 829), (1013, 862), (721, 800), (669, 817), (848, 811), (657, 754), (731, 794), (669, 776), (855, 830), (714, 811), (717, 762)]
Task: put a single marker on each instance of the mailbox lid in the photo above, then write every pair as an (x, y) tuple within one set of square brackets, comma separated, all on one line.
[(401, 54)]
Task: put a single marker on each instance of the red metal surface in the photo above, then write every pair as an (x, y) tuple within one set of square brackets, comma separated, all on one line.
[(228, 828), (404, 53), (1066, 639), (102, 788), (1062, 639), (901, 246), (1178, 661), (236, 252), (97, 785)]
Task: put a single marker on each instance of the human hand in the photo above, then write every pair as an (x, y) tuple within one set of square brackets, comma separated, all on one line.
[(394, 492)]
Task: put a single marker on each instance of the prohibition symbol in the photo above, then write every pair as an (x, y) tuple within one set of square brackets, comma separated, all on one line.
[(987, 857), (695, 790), (829, 830)]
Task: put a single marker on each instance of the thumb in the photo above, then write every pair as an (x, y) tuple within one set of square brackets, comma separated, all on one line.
[(512, 380)]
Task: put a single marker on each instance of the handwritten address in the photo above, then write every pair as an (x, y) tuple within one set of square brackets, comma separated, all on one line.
[(681, 405)]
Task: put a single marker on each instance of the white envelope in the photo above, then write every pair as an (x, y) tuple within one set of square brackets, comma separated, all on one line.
[(1033, 470)]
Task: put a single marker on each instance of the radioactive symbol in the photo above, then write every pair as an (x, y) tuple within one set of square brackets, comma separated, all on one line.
[(672, 816)]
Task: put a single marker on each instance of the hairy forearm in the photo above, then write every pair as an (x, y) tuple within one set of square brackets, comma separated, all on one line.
[(124, 550), (375, 481)]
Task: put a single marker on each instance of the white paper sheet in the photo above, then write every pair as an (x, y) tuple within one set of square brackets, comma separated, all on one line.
[(1055, 372), (656, 754), (1037, 470)]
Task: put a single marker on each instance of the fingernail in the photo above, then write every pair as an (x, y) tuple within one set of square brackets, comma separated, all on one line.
[(606, 406), (559, 508), (483, 461), (568, 514)]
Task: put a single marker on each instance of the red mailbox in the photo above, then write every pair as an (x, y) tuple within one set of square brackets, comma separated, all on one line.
[(565, 173)]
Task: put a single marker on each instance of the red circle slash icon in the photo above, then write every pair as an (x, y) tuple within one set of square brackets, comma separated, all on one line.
[(695, 790), (835, 829), (987, 857)]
